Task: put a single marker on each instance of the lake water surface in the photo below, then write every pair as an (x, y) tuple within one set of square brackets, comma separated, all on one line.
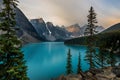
[(48, 59)]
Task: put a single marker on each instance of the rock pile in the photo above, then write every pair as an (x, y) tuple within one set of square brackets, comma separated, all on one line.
[(107, 73)]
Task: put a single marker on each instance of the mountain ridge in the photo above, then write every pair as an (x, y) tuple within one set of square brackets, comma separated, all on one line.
[(115, 27)]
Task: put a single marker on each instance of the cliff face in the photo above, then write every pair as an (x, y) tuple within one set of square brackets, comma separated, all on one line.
[(48, 31)]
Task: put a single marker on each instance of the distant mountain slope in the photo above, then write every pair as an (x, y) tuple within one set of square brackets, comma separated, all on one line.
[(26, 28), (115, 27), (26, 31)]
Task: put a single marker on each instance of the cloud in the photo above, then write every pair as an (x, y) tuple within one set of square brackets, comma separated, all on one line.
[(67, 12)]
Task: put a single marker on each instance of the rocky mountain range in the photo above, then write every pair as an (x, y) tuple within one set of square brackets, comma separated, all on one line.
[(50, 32)]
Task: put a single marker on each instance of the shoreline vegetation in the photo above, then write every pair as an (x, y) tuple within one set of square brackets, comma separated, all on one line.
[(107, 38)]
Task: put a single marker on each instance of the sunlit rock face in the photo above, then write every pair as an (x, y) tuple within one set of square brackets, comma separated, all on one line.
[(73, 28), (77, 31)]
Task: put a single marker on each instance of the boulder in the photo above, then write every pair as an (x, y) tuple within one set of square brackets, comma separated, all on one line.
[(74, 77), (106, 74), (89, 74), (116, 70), (62, 78), (117, 78)]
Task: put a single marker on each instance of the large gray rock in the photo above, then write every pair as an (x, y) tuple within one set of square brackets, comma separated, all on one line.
[(107, 74), (70, 77)]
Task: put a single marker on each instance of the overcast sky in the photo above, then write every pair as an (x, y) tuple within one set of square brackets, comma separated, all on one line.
[(67, 12)]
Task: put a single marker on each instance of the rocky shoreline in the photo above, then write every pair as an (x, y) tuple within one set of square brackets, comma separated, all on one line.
[(107, 73)]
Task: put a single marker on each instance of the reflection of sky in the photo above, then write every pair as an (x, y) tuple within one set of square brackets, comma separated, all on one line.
[(48, 60), (49, 47), (67, 12)]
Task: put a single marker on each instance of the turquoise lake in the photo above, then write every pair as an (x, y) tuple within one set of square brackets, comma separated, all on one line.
[(47, 60)]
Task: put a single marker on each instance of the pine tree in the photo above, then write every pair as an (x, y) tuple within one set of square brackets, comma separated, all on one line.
[(112, 47), (69, 63), (91, 27), (90, 57), (112, 59), (101, 58), (12, 64), (90, 31), (79, 64)]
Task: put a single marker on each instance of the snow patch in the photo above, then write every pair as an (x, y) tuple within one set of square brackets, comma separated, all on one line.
[(48, 30)]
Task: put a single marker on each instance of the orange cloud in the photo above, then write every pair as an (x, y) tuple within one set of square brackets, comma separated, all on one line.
[(111, 21)]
